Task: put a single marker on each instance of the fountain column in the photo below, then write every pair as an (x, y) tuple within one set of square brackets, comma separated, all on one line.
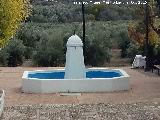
[(74, 68)]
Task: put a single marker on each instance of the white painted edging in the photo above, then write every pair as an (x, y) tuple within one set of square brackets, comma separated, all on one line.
[(2, 102), (33, 85)]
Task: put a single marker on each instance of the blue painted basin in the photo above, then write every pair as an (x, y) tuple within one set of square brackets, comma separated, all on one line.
[(89, 74)]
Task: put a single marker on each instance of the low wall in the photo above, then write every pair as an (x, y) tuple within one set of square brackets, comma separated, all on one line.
[(2, 95)]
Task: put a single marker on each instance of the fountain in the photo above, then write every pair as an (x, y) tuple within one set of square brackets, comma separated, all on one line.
[(75, 68), (75, 77)]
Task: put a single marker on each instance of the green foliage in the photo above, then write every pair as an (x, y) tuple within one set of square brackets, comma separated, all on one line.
[(97, 55), (12, 54), (12, 13), (44, 35), (157, 50), (137, 32), (112, 12), (124, 43), (29, 36), (134, 50), (56, 13), (45, 43), (3, 58), (63, 12), (49, 50), (97, 42), (96, 9)]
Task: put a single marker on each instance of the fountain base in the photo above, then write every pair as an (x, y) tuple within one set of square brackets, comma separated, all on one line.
[(102, 82)]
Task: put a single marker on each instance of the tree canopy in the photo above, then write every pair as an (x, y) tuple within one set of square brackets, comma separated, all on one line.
[(12, 13), (137, 31)]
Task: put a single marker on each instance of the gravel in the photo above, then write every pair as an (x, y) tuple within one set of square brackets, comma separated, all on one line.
[(133, 111)]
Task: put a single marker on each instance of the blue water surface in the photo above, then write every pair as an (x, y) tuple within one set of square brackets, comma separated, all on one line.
[(89, 74)]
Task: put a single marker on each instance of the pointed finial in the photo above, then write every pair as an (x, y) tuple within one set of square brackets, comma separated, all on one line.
[(74, 32)]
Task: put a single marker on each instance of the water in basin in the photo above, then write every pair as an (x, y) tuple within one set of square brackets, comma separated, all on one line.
[(89, 74)]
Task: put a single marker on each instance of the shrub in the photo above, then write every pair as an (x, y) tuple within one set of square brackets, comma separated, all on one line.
[(157, 50), (29, 36), (3, 58), (98, 46), (134, 50), (12, 54), (99, 37), (124, 42), (97, 55), (49, 51)]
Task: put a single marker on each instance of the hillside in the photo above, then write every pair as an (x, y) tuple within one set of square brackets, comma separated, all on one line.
[(42, 38), (65, 11)]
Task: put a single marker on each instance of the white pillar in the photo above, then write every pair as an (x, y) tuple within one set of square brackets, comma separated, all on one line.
[(74, 68)]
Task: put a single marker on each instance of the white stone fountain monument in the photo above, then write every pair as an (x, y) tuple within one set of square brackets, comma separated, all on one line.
[(75, 68), (75, 78)]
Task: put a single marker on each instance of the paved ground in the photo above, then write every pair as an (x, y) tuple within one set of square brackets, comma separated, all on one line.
[(145, 89)]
